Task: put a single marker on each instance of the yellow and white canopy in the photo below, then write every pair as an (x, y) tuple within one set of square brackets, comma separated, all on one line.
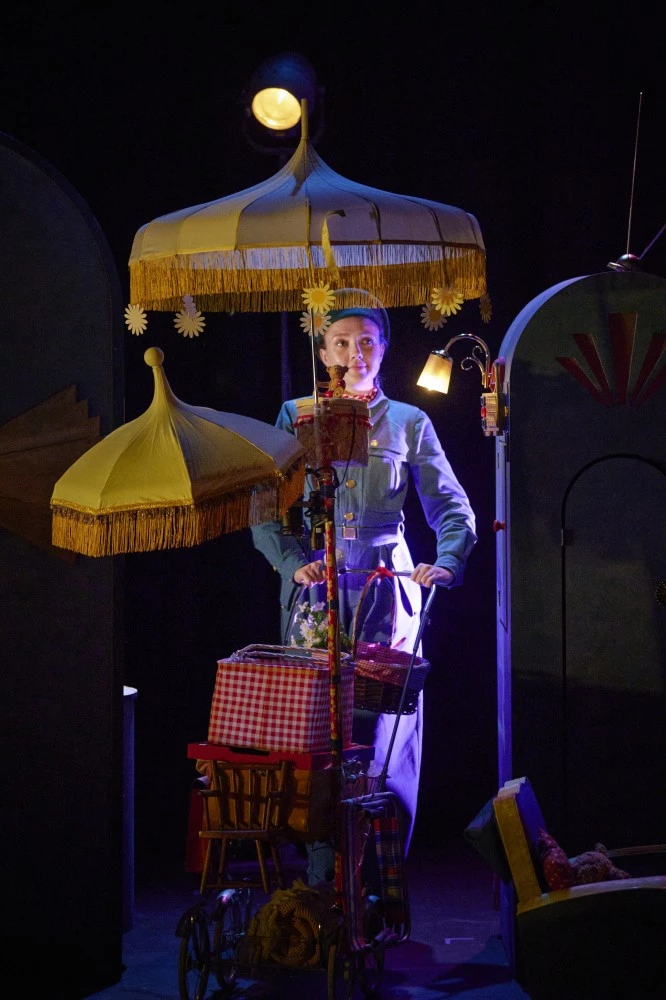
[(176, 476), (256, 250)]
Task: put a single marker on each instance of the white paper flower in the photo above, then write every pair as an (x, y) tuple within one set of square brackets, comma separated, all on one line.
[(432, 318), (189, 324), (448, 300), (319, 323), (189, 306), (136, 320), (320, 298)]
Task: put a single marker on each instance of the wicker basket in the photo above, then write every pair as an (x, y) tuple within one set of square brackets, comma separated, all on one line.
[(379, 679), (380, 671)]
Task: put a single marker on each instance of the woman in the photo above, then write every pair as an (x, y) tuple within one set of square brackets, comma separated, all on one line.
[(403, 447)]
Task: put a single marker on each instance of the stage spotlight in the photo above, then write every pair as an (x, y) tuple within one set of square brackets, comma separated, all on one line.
[(272, 103)]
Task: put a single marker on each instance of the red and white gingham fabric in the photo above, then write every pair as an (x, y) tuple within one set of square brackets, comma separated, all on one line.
[(270, 698)]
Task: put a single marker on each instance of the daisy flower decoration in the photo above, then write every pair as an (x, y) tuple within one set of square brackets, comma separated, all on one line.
[(448, 300), (319, 299), (315, 323), (136, 320), (432, 318), (485, 307), (189, 322)]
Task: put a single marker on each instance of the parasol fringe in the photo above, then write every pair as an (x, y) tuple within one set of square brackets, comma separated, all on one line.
[(271, 279), (115, 532)]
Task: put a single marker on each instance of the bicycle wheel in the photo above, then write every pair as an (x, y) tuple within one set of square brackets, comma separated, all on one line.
[(194, 957), (227, 932), (371, 963)]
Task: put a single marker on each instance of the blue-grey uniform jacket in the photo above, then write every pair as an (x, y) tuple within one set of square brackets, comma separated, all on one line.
[(403, 445)]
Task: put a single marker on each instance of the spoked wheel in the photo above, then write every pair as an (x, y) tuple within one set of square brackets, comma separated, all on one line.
[(371, 963), (228, 929), (194, 958)]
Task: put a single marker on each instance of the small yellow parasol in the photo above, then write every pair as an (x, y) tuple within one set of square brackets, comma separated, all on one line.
[(176, 476)]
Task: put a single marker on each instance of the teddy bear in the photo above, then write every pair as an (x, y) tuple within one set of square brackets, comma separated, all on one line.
[(562, 872)]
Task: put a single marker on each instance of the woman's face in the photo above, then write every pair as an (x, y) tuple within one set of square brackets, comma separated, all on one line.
[(355, 342)]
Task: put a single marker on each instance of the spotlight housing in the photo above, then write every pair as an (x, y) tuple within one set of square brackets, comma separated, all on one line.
[(272, 103)]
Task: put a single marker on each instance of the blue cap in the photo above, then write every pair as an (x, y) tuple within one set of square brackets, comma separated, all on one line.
[(374, 310)]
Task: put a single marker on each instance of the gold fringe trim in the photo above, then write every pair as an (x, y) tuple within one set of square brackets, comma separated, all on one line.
[(113, 532), (272, 279)]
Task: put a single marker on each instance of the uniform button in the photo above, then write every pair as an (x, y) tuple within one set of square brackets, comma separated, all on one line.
[(374, 443), (349, 516), (350, 484)]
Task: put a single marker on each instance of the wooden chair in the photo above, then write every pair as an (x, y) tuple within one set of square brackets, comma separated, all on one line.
[(597, 940), (245, 802)]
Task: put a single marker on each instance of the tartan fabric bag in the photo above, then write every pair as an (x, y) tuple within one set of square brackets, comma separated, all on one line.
[(278, 698)]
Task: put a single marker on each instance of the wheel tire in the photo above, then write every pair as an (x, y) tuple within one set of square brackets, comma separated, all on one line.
[(194, 957), (227, 931), (371, 963)]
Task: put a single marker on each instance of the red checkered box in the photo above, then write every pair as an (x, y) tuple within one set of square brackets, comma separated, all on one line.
[(278, 698)]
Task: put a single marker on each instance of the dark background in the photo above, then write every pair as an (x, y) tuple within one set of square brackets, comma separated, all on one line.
[(526, 119)]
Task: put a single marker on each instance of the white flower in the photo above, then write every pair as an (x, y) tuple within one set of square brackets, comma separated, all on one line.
[(136, 319), (188, 323), (310, 629)]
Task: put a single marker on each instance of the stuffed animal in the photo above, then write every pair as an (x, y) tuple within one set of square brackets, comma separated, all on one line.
[(562, 872), (336, 384), (596, 866)]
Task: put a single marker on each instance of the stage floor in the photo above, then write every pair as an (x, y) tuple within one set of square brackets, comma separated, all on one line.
[(454, 948)]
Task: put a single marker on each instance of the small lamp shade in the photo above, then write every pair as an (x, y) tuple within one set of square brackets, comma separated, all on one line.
[(436, 374)]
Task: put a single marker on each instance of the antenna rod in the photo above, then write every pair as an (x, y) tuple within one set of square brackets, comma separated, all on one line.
[(633, 172), (652, 241)]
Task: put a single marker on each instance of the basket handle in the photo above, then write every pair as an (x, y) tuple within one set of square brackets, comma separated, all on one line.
[(375, 577)]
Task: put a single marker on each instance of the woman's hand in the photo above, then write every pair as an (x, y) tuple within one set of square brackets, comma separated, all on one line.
[(312, 573), (427, 575)]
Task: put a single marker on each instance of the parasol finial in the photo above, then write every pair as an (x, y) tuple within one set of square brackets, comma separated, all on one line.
[(175, 476), (154, 357), (304, 120)]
